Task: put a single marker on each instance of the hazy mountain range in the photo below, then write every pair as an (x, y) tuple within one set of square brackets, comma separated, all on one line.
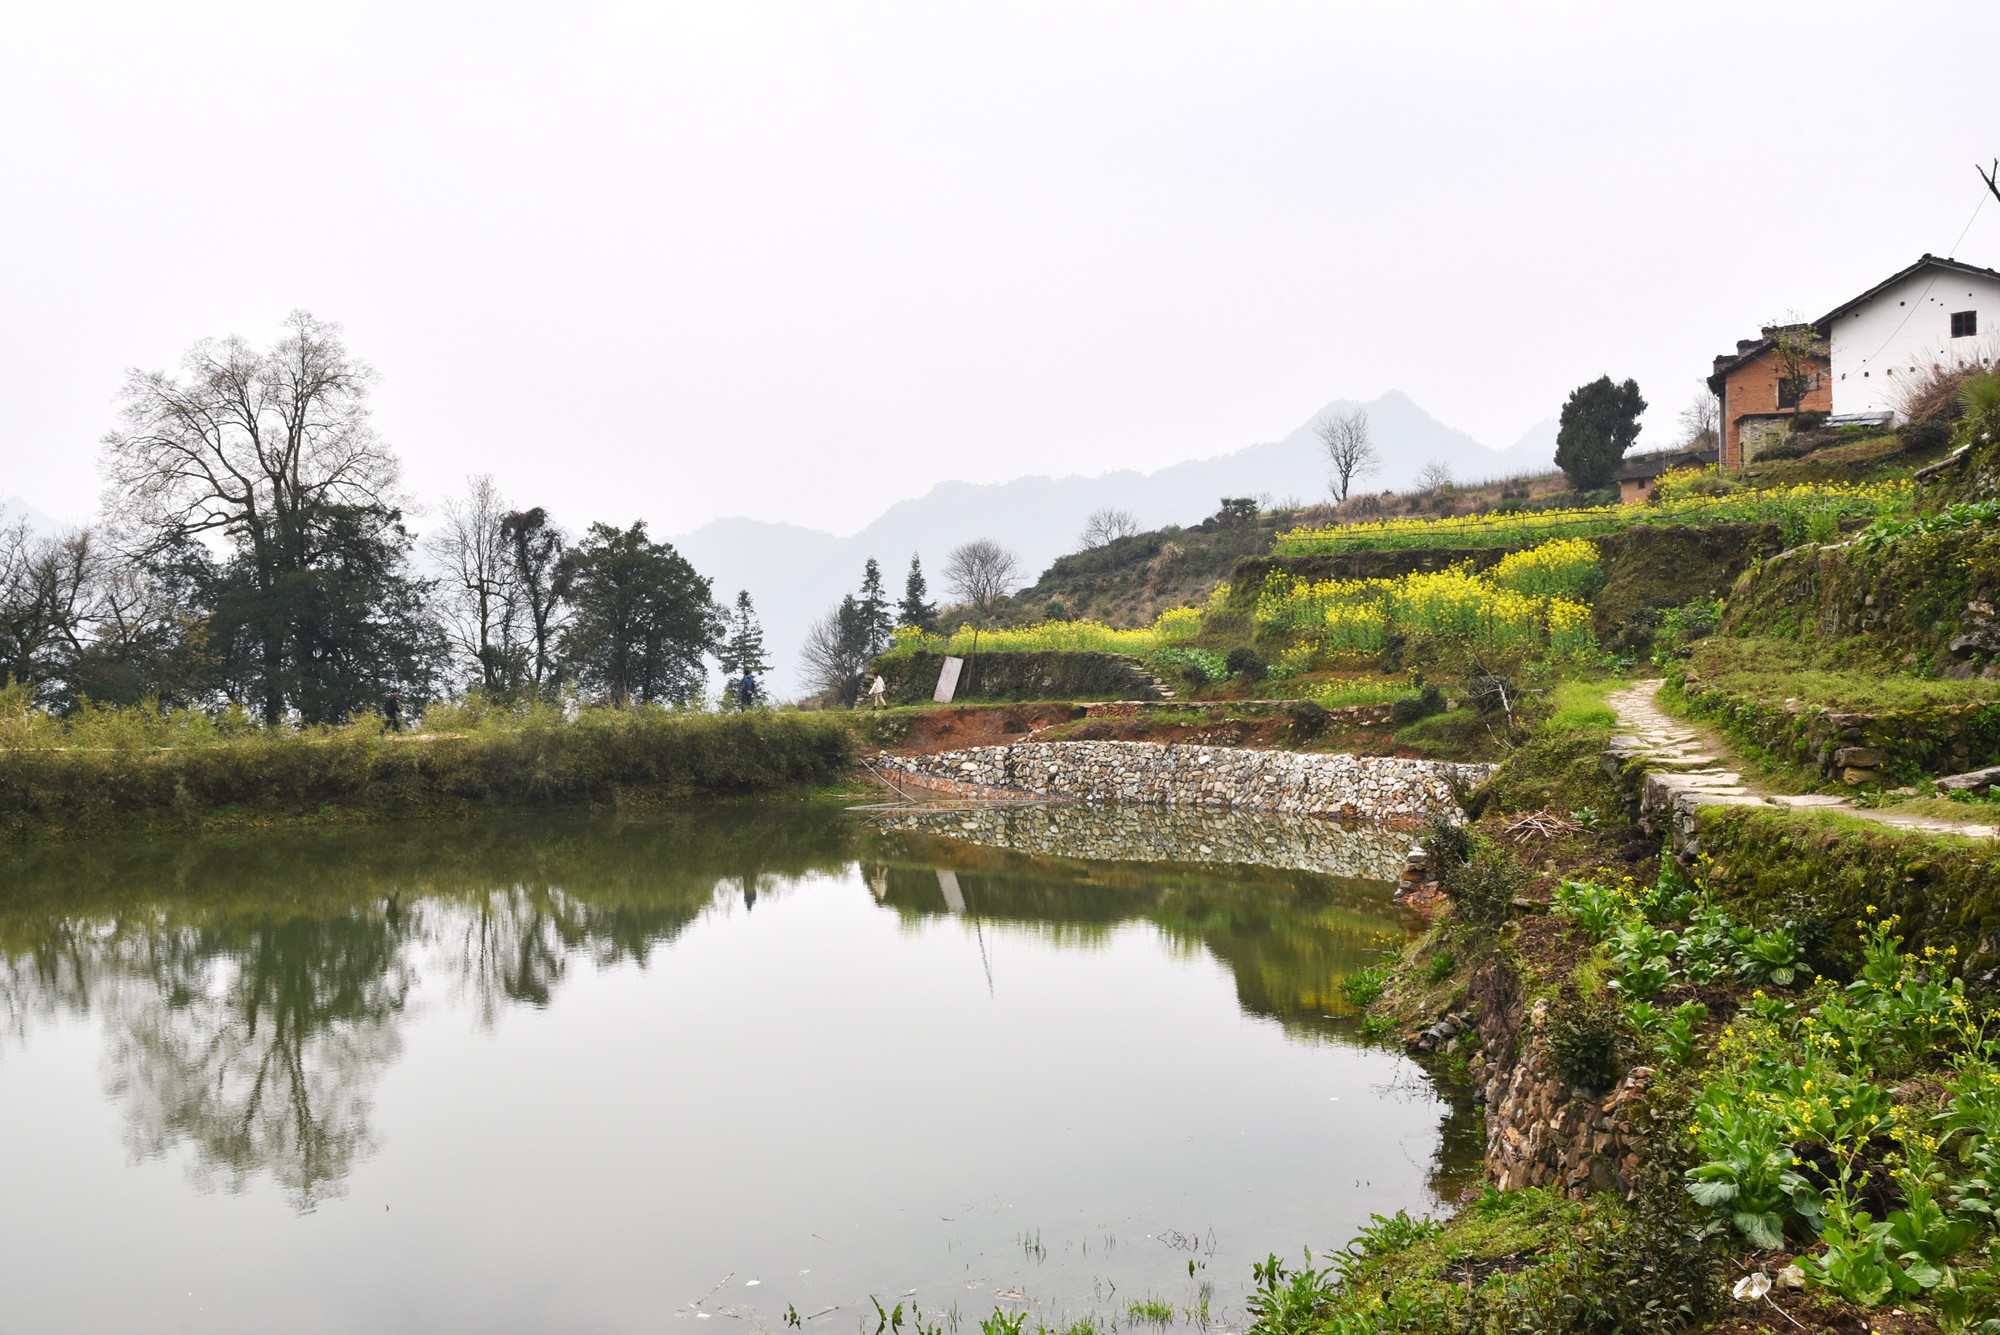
[(795, 574)]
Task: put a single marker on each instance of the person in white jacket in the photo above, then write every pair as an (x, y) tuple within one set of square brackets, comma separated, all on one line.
[(878, 692)]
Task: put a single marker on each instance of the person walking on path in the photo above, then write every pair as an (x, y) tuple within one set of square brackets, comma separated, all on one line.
[(392, 711), (878, 692)]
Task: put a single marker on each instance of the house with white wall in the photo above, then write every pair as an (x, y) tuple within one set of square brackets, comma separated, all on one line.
[(1937, 312)]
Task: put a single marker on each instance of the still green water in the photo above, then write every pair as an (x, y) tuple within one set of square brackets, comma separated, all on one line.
[(571, 1074)]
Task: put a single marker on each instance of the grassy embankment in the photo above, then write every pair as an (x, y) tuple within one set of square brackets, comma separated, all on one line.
[(105, 771)]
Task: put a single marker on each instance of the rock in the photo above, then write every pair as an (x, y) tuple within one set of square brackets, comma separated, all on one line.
[(1857, 778), (1860, 757)]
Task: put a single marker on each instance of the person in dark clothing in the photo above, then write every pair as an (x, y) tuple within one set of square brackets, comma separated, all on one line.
[(392, 711), (746, 691)]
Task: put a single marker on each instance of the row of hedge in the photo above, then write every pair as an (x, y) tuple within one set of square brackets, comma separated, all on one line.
[(600, 757)]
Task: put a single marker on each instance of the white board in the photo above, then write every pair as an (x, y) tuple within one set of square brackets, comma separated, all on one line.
[(947, 685)]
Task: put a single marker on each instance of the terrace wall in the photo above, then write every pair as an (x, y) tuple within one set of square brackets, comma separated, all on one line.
[(1855, 749), (911, 679), (1372, 788)]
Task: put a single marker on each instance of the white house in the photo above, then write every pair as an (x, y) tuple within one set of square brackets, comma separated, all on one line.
[(1936, 312)]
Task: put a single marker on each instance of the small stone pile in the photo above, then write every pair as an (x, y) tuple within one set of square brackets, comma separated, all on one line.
[(1386, 790)]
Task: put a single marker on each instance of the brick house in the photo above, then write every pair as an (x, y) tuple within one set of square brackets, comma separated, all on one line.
[(1767, 380)]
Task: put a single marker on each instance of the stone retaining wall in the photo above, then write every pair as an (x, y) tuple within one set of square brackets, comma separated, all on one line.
[(1371, 788), (1857, 750), (1187, 834)]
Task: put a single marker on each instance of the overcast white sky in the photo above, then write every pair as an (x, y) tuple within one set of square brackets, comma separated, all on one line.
[(796, 261)]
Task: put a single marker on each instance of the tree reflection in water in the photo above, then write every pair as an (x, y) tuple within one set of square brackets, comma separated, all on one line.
[(257, 1044), (252, 993)]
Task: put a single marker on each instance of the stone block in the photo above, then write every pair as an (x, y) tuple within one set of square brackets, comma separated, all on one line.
[(1860, 757)]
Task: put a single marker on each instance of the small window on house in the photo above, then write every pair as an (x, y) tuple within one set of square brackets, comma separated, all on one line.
[(1791, 389), (1964, 324)]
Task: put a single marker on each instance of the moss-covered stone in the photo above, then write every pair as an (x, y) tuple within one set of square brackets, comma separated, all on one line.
[(1929, 601), (1829, 871)]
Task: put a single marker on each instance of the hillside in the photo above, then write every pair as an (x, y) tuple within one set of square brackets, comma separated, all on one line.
[(796, 574)]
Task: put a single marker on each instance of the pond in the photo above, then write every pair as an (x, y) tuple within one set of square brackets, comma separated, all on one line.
[(583, 1074)]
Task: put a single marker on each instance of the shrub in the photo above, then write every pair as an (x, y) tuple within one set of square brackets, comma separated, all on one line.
[(1925, 437), (1448, 843), (1308, 721), (1245, 663), (1482, 889), (1812, 419), (1425, 703), (1583, 1037)]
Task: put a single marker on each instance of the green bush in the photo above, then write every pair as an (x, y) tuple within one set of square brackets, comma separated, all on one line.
[(1482, 888), (1583, 1038), (1424, 704), (1246, 663)]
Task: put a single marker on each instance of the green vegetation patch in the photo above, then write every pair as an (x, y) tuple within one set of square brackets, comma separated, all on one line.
[(120, 769)]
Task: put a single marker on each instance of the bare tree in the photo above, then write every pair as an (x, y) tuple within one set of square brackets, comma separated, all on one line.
[(835, 652), (1698, 420), (981, 572), (1990, 175), (46, 595), (1107, 526), (482, 603), (1350, 452), (1434, 478)]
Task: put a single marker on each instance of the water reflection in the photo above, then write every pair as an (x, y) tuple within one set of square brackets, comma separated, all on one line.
[(252, 992)]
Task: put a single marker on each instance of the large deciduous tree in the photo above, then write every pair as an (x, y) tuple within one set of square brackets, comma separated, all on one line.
[(270, 453), (981, 572), (1599, 423), (640, 618)]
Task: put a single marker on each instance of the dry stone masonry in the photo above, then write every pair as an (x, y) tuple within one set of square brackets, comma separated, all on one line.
[(1370, 788)]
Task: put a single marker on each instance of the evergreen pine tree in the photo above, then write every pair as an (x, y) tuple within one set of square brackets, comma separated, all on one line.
[(915, 609), (743, 650), (873, 608)]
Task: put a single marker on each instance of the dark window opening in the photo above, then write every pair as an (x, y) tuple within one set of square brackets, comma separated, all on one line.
[(1791, 390), (1964, 324)]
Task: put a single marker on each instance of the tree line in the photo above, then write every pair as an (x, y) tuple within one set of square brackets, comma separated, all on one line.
[(252, 548)]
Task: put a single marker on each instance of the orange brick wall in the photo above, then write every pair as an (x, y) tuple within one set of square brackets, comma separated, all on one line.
[(1753, 388)]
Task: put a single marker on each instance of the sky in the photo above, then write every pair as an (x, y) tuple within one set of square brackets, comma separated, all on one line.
[(798, 261)]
